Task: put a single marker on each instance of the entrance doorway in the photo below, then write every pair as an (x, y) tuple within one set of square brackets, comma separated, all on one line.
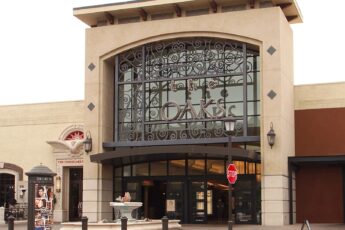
[(217, 201), (192, 190), (159, 196), (246, 200), (175, 200), (198, 202), (75, 194), (154, 205), (6, 189), (194, 200)]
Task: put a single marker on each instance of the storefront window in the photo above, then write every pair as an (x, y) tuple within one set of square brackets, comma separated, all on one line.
[(196, 167), (215, 167), (250, 168), (140, 169), (127, 170), (201, 188), (118, 171), (177, 167), (240, 165), (118, 187), (158, 168)]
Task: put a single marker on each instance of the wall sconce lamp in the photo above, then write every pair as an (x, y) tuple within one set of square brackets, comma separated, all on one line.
[(22, 192), (58, 184), (229, 123), (271, 135), (88, 142)]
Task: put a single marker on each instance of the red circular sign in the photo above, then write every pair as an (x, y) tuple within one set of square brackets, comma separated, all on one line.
[(231, 173)]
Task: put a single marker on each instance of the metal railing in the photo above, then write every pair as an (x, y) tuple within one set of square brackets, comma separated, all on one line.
[(19, 212)]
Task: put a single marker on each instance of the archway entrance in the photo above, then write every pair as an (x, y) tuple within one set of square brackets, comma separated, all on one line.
[(6, 189), (191, 187), (195, 199)]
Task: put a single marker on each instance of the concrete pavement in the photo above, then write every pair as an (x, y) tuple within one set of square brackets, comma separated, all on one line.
[(21, 225), (259, 227)]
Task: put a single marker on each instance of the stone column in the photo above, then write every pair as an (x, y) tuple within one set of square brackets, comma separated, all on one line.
[(278, 109)]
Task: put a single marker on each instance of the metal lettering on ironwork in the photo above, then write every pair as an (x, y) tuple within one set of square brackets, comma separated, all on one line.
[(184, 89)]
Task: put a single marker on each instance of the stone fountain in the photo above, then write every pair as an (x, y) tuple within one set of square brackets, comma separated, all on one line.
[(125, 207)]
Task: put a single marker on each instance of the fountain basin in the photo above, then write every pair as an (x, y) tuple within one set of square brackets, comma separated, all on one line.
[(126, 208), (136, 225)]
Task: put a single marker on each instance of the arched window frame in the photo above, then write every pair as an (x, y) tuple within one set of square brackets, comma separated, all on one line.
[(146, 68)]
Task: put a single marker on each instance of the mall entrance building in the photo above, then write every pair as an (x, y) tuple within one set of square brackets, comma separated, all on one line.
[(161, 79)]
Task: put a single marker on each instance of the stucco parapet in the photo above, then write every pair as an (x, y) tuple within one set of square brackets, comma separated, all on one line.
[(92, 14), (319, 96), (42, 113), (107, 41)]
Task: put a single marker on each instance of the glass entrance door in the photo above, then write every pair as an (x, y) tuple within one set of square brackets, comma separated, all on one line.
[(75, 194), (217, 201), (198, 205), (245, 200), (174, 201)]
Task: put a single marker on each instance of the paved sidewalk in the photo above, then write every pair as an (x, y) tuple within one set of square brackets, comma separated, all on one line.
[(259, 227), (23, 226)]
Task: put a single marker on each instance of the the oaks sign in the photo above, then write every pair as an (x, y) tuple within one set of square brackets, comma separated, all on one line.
[(180, 112)]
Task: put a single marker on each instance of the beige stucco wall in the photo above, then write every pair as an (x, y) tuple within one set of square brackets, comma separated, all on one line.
[(278, 77), (320, 96), (263, 27), (24, 130)]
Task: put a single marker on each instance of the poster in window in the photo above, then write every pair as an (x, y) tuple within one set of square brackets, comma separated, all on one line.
[(171, 206), (44, 201)]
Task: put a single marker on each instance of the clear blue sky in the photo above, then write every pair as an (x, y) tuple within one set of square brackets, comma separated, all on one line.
[(42, 48)]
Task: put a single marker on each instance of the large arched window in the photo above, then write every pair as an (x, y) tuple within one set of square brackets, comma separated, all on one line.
[(184, 89)]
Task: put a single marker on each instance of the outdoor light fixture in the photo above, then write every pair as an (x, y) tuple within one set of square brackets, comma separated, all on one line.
[(58, 184), (271, 136), (88, 142), (229, 123), (22, 192)]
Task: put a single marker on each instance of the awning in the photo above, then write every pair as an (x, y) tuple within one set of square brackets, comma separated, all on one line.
[(129, 155), (316, 160)]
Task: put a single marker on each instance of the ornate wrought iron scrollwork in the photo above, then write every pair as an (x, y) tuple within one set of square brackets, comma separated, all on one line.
[(194, 73)]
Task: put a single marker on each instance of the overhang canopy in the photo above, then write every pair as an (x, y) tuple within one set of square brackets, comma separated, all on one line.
[(317, 160), (127, 155), (92, 15)]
